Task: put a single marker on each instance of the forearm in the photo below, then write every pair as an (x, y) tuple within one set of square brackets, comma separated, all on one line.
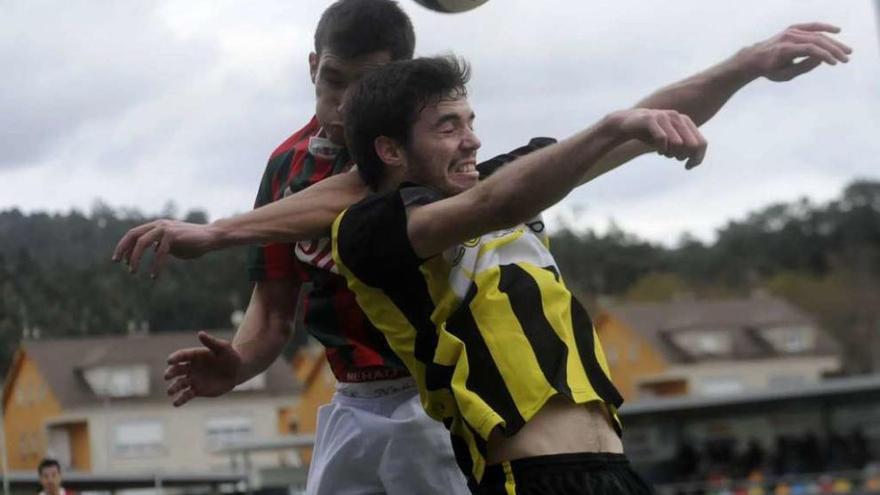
[(699, 96), (543, 178), (262, 334), (305, 215)]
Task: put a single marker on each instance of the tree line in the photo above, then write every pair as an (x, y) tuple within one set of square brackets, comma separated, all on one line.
[(56, 278)]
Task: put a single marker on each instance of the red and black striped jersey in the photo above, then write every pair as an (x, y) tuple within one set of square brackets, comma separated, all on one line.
[(356, 351)]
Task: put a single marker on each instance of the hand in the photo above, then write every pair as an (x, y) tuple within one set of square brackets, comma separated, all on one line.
[(670, 133), (206, 371), (795, 51), (179, 239)]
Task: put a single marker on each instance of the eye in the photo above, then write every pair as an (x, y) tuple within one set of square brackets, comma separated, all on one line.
[(333, 81)]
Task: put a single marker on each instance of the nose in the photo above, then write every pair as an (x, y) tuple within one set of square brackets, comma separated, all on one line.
[(342, 102), (471, 142), (340, 106)]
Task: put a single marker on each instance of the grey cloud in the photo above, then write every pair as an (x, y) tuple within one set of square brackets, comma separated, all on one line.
[(173, 106), (76, 64)]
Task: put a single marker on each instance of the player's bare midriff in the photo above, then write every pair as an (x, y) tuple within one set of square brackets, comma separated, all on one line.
[(560, 427)]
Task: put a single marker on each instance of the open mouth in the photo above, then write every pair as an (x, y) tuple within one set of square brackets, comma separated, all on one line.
[(466, 168)]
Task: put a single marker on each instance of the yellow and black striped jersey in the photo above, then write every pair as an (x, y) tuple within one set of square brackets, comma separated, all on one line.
[(488, 329)]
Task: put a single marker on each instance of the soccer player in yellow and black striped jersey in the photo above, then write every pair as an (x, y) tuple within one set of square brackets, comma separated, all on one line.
[(459, 278)]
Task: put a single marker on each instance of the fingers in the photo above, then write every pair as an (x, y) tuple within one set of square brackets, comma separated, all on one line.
[(180, 387), (176, 370), (177, 386), (658, 135), (186, 355), (694, 142), (685, 142), (670, 133), (838, 50), (215, 344), (673, 140), (160, 259), (185, 396), (125, 245), (816, 26), (796, 69), (700, 149), (792, 51), (151, 238)]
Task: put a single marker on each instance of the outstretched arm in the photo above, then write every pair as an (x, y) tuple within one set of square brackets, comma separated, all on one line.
[(791, 53), (536, 181), (305, 215), (219, 365)]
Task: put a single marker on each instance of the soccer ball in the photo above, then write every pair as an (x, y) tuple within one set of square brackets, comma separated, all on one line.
[(451, 6)]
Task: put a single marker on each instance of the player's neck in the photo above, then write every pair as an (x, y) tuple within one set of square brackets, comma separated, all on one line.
[(392, 180)]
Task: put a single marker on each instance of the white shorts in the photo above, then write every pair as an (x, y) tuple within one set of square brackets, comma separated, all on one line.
[(375, 438)]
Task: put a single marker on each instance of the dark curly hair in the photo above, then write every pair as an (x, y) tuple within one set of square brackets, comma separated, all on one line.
[(387, 102)]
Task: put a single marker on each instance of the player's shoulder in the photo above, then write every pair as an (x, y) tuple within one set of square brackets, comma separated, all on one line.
[(371, 238), (381, 217), (362, 215), (300, 136), (417, 195)]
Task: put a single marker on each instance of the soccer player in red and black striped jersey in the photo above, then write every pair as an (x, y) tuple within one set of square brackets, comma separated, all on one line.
[(366, 436)]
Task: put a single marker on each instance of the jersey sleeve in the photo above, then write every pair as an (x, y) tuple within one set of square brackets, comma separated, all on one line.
[(273, 261), (370, 239)]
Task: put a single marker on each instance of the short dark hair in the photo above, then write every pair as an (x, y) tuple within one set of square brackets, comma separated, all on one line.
[(388, 100), (351, 28), (46, 463)]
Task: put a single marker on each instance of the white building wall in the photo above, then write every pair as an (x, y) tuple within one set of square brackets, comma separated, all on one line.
[(185, 446)]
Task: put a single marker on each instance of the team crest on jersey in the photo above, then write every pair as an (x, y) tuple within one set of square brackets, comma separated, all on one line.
[(472, 242)]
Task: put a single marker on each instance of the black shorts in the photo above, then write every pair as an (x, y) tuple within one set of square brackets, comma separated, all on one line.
[(564, 474)]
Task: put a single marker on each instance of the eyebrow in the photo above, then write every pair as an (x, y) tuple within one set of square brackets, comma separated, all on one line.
[(452, 117), (332, 71)]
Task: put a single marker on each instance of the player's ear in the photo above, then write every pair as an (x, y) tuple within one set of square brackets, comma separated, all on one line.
[(389, 151), (313, 65)]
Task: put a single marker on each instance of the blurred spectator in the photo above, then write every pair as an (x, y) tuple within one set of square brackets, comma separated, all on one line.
[(50, 478)]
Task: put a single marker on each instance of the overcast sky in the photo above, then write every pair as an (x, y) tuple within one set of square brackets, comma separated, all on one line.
[(139, 103)]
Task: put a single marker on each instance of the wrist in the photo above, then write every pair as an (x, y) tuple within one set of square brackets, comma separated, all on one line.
[(220, 234), (740, 69), (611, 130)]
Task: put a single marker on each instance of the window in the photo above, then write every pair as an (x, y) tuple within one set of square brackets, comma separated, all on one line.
[(142, 438), (228, 429), (710, 343), (703, 343), (721, 385), (119, 381), (791, 339)]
